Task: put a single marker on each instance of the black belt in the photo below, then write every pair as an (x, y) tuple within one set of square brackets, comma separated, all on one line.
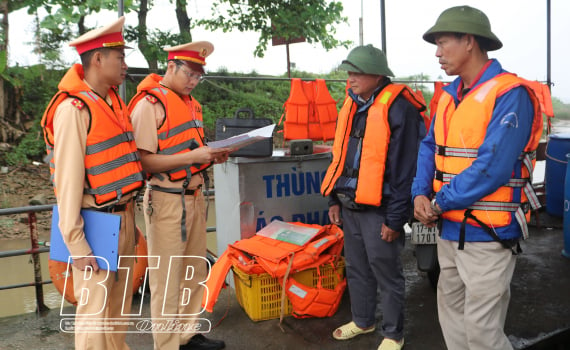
[(189, 192), (113, 208), (186, 192), (183, 192), (348, 202)]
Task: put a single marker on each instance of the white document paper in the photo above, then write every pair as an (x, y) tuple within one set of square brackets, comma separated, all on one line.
[(242, 140)]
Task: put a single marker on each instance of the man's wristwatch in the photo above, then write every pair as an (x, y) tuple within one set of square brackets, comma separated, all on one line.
[(435, 208)]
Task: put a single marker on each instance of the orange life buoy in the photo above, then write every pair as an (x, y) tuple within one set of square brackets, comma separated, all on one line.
[(59, 273)]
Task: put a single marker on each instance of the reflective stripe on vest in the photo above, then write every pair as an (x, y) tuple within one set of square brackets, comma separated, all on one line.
[(182, 129), (310, 111), (374, 145), (112, 165), (455, 152)]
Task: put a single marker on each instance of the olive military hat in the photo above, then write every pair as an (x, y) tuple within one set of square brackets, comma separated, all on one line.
[(467, 20), (368, 60)]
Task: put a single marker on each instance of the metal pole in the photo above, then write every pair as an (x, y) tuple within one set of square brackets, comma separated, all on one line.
[(122, 87), (361, 24), (383, 24), (288, 62), (41, 307), (548, 46)]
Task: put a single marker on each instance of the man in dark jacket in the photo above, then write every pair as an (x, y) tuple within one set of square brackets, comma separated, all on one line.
[(369, 180)]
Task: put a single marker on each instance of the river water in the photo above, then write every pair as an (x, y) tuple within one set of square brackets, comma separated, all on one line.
[(19, 269)]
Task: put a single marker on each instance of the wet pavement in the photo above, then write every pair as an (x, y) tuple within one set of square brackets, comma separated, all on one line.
[(538, 318)]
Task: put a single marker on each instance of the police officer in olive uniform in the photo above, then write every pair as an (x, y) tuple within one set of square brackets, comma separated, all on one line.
[(95, 165), (169, 133)]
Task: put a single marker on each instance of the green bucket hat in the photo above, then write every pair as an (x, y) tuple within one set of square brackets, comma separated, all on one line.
[(467, 20), (368, 60)]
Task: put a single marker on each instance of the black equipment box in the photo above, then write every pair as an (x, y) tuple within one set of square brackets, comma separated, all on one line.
[(228, 127)]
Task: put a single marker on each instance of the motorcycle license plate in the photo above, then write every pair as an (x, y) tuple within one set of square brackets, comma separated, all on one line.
[(422, 234)]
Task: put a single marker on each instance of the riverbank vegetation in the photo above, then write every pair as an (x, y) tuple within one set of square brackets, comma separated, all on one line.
[(29, 90)]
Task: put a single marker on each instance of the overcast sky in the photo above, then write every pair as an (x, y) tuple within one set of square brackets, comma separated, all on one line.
[(519, 24)]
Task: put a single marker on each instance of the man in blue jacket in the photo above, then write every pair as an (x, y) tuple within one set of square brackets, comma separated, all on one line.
[(473, 174)]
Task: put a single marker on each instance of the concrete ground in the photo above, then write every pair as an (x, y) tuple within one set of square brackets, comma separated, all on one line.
[(539, 314)]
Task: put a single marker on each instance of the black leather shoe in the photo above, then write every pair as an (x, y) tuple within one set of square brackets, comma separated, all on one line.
[(199, 342)]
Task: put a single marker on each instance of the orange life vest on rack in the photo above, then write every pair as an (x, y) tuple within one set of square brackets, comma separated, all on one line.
[(310, 111), (182, 129), (542, 92), (259, 254), (420, 97), (374, 146), (437, 90), (455, 151), (109, 138)]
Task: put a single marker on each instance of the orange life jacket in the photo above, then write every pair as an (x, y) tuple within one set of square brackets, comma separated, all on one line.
[(259, 254), (437, 90), (274, 255), (420, 97), (316, 301), (374, 145), (62, 275), (112, 162), (310, 111), (542, 92), (458, 135), (182, 128)]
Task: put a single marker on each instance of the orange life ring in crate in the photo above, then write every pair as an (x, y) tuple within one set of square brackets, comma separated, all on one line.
[(59, 273)]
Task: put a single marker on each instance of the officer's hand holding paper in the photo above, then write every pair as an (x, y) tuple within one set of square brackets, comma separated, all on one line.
[(242, 140)]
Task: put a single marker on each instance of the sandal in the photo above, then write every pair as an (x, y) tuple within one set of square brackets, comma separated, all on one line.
[(391, 344), (350, 330)]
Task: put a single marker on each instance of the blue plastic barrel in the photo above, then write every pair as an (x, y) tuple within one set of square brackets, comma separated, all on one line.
[(555, 173), (566, 250)]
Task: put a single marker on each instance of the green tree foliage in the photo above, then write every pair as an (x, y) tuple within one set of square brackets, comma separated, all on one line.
[(36, 85), (6, 7), (220, 96), (4, 70), (67, 13), (184, 22), (224, 93), (152, 45), (65, 19), (32, 147), (561, 109), (150, 41), (312, 19)]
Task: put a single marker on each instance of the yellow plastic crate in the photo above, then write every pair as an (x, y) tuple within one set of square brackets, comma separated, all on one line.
[(260, 295)]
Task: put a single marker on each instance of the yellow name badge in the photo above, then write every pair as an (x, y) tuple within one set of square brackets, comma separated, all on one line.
[(385, 97)]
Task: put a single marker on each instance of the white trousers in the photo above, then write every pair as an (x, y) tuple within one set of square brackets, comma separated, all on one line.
[(473, 294)]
